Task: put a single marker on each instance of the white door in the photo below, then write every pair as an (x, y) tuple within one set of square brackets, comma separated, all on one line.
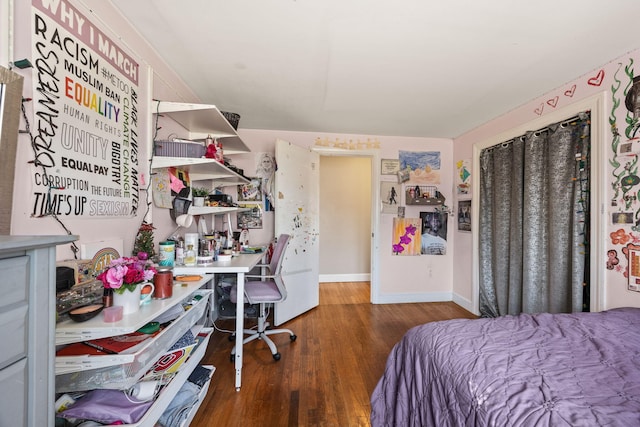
[(296, 213)]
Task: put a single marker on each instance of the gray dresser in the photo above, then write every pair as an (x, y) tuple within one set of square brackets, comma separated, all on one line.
[(27, 329)]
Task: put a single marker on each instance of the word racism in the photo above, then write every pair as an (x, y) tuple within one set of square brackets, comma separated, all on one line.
[(74, 22)]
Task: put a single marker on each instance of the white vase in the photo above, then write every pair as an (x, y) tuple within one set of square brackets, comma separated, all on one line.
[(130, 300), (198, 201)]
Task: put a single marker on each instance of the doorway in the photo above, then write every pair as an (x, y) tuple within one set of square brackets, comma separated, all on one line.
[(345, 217)]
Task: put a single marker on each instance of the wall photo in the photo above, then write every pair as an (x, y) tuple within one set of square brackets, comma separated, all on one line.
[(389, 197), (251, 218), (464, 215), (434, 233)]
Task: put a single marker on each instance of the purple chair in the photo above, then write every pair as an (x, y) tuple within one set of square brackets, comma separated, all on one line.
[(269, 288)]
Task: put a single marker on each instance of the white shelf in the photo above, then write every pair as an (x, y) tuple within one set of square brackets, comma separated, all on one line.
[(202, 120), (201, 396), (169, 392), (214, 210), (68, 332), (129, 363), (200, 169)]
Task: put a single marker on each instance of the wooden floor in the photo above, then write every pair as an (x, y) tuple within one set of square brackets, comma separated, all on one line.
[(325, 377)]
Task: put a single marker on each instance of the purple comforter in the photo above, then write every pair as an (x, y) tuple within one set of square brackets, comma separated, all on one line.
[(579, 369)]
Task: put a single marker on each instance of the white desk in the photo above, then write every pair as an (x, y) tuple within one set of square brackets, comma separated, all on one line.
[(239, 265)]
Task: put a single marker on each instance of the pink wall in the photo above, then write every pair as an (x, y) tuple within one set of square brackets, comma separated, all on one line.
[(613, 80)]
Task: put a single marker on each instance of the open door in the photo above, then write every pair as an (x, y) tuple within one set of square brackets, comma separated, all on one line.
[(296, 213)]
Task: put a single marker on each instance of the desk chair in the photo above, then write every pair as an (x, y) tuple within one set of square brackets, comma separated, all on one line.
[(268, 289)]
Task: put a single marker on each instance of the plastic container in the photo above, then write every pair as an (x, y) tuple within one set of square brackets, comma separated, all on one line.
[(167, 252)]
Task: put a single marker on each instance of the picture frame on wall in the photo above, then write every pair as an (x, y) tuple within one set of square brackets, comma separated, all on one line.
[(389, 197), (389, 166), (250, 192), (464, 215), (251, 218)]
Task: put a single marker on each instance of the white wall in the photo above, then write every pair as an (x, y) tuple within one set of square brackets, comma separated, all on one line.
[(611, 82)]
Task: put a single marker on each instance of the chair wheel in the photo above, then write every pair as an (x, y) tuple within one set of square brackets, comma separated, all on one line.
[(232, 337), (232, 358), (293, 337), (276, 356)]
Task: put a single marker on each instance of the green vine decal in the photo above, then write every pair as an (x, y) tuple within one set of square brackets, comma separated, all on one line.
[(630, 119), (615, 101)]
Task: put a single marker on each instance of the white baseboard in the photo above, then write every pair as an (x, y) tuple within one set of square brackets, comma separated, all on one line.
[(360, 277), (409, 298), (464, 303)]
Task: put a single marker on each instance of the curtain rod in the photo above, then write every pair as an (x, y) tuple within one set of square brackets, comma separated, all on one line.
[(580, 116)]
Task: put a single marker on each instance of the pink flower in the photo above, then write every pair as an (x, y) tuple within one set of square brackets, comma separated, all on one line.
[(126, 273)]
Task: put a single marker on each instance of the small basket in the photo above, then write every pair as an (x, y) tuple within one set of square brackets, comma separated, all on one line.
[(232, 118), (423, 195)]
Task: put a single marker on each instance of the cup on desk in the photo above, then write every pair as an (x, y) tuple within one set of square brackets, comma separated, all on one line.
[(163, 281)]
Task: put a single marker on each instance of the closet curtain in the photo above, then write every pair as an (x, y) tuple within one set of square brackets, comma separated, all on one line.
[(534, 221)]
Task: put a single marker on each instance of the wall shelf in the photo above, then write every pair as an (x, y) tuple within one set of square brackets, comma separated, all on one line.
[(201, 169), (202, 120)]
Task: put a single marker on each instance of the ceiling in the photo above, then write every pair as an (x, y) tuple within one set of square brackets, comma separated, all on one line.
[(369, 67)]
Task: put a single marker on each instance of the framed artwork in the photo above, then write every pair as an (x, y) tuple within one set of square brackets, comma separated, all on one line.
[(251, 218), (389, 166), (389, 196), (464, 215), (406, 236), (404, 175), (434, 233), (423, 166), (250, 192), (463, 176)]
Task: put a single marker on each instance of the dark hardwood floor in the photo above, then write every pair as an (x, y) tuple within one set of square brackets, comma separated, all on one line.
[(325, 377)]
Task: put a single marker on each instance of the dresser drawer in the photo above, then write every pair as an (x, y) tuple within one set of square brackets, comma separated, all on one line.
[(14, 284), (14, 309), (13, 335), (13, 411)]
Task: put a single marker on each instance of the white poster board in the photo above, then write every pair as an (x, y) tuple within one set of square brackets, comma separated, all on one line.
[(85, 124)]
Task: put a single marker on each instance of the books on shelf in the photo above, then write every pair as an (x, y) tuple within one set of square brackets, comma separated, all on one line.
[(119, 344)]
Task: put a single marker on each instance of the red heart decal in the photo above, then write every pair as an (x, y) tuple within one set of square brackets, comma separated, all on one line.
[(570, 92), (597, 80), (553, 102), (538, 110)]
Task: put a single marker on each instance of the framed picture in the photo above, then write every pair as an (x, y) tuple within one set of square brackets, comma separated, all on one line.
[(389, 166), (464, 215), (250, 192), (404, 175), (434, 233), (251, 218), (389, 196)]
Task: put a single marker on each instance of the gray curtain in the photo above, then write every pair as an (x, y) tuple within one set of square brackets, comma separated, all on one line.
[(534, 221)]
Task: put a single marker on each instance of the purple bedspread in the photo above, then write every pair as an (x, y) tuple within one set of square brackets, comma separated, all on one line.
[(579, 369)]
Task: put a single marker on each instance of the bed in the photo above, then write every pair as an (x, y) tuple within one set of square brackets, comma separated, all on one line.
[(580, 369)]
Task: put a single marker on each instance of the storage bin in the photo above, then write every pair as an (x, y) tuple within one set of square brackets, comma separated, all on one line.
[(232, 118), (179, 149)]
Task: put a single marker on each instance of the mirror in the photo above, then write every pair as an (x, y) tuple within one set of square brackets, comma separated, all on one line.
[(10, 103)]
